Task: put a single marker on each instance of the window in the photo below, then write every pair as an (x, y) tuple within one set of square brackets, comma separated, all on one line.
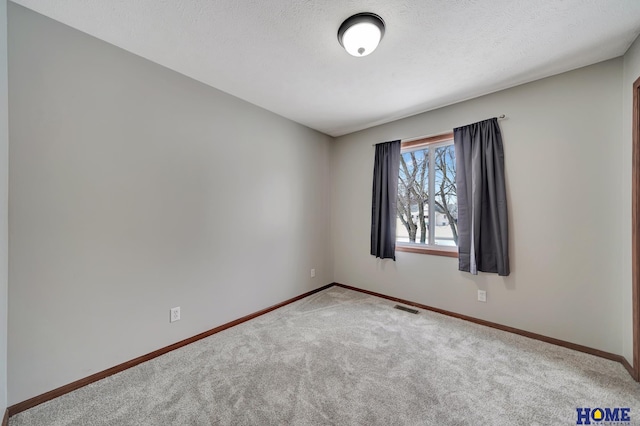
[(427, 200)]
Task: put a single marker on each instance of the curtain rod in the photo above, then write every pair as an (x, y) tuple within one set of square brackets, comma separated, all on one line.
[(500, 117)]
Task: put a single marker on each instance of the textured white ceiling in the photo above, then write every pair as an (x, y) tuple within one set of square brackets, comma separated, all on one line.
[(283, 55)]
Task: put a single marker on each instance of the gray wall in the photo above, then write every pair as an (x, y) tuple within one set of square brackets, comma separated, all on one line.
[(134, 189), (4, 177), (631, 72), (568, 211)]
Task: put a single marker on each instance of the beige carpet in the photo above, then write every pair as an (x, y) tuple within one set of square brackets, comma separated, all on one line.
[(340, 357)]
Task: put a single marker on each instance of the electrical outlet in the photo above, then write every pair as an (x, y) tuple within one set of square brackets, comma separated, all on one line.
[(313, 273), (482, 296), (175, 314)]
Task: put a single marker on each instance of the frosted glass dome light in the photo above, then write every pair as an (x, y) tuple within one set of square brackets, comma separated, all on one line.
[(361, 34)]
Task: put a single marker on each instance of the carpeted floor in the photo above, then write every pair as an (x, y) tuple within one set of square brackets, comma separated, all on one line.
[(340, 357)]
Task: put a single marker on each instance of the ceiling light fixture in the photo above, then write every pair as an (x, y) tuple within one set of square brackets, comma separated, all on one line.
[(361, 33)]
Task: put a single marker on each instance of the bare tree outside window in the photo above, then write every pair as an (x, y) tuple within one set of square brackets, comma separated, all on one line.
[(427, 183)]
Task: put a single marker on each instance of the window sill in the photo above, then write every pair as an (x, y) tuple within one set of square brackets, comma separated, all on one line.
[(424, 249)]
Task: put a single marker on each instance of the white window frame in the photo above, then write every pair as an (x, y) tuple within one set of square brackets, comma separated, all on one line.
[(432, 143)]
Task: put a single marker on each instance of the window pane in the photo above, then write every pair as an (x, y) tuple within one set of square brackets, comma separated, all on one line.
[(412, 197), (446, 201), (414, 190)]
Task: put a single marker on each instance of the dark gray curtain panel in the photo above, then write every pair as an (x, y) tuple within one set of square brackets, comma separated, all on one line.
[(483, 237), (385, 194)]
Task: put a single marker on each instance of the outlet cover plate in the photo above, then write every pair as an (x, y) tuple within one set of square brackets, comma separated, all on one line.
[(174, 314), (482, 296)]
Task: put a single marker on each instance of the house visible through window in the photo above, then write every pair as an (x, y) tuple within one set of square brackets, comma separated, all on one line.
[(427, 200)]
